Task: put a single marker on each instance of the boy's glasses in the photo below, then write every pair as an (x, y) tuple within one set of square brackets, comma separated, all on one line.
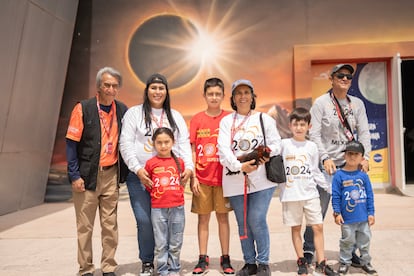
[(342, 75)]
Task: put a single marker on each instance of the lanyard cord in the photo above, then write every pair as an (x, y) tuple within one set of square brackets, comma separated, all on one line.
[(243, 237), (342, 117), (233, 133), (103, 120), (154, 119), (234, 129)]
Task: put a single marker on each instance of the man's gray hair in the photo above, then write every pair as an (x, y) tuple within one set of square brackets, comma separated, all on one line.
[(108, 70)]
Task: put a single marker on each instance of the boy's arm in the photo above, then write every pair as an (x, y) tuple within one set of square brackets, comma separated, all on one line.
[(370, 196), (318, 176), (194, 184), (370, 201), (336, 200), (336, 194)]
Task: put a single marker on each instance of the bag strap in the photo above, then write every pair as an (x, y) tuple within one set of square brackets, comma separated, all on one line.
[(263, 130), (342, 117)]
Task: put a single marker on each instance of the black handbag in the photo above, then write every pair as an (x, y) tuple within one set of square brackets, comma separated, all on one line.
[(275, 170)]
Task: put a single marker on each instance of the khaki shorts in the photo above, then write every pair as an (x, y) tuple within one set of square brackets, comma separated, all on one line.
[(210, 199), (293, 212)]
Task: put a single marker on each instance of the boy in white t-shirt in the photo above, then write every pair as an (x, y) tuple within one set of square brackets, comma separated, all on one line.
[(299, 195)]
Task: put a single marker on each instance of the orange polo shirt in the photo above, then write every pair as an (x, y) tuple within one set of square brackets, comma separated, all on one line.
[(75, 130)]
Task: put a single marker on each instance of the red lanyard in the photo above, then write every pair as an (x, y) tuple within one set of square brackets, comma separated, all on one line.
[(103, 119), (159, 124), (235, 129), (341, 116), (243, 237)]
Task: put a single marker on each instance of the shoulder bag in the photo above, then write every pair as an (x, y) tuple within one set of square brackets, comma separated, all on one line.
[(275, 170)]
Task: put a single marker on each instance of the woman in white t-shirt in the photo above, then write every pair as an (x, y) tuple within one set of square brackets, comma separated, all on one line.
[(245, 183)]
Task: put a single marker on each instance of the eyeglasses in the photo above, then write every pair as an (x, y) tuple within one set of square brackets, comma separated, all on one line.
[(342, 75), (107, 85)]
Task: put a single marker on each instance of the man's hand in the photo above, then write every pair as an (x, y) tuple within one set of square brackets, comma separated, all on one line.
[(329, 166), (364, 165), (78, 185)]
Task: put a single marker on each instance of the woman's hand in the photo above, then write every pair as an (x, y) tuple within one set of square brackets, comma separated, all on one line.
[(263, 160), (144, 177), (249, 166), (185, 176)]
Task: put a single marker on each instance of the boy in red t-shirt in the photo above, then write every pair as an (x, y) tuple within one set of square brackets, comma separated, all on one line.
[(167, 202), (207, 185)]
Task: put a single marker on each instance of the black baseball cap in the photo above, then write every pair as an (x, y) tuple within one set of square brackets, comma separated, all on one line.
[(338, 67), (354, 146), (157, 78)]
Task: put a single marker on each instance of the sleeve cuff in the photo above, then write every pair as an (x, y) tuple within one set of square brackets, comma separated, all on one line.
[(324, 157)]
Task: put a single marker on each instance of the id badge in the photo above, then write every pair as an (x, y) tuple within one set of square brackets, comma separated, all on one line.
[(349, 134), (109, 148)]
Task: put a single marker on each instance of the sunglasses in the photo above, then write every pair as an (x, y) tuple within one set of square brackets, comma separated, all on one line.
[(342, 75)]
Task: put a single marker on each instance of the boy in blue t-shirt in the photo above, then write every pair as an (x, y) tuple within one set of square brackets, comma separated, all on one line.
[(353, 205)]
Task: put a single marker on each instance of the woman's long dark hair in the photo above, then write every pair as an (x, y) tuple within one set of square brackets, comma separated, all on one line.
[(158, 78)]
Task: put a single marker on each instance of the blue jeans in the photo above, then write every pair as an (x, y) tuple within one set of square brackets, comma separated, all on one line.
[(168, 226), (141, 205), (257, 228), (355, 235)]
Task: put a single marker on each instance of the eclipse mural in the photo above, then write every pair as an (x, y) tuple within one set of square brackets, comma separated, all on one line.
[(164, 44), (190, 41)]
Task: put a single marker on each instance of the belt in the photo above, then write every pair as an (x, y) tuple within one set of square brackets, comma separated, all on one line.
[(104, 168)]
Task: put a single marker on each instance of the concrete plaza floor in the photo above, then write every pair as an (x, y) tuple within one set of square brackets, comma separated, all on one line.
[(41, 241)]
